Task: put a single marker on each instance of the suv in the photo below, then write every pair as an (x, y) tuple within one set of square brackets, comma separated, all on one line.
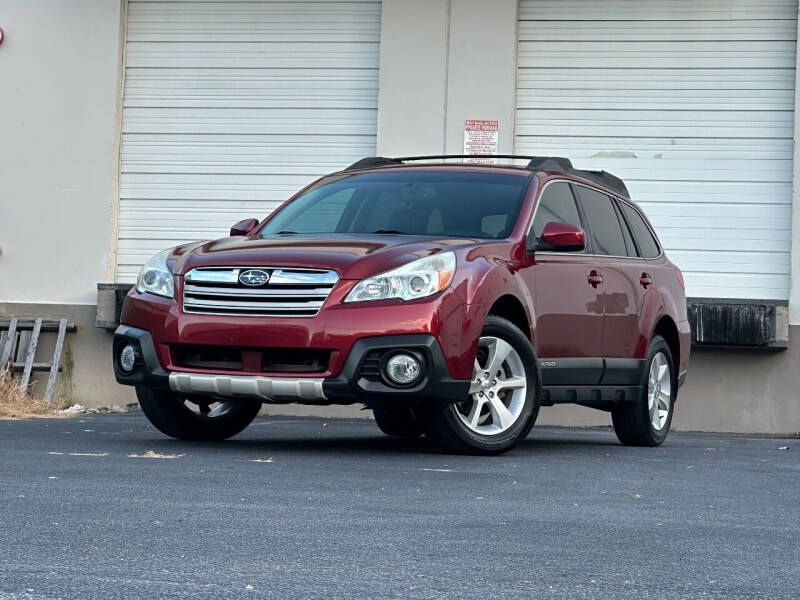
[(452, 299)]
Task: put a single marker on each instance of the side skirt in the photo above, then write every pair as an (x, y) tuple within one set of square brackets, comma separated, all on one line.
[(594, 396), (595, 382)]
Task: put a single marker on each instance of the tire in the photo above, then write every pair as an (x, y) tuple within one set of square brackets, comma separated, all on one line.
[(634, 422), (169, 413), (448, 425), (397, 421)]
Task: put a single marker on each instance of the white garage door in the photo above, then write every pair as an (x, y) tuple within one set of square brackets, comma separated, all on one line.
[(230, 107), (691, 102)]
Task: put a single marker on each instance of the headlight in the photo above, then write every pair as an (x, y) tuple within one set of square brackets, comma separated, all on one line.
[(417, 279), (156, 277)]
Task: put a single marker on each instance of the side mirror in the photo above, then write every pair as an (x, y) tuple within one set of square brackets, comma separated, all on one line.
[(562, 237), (244, 227)]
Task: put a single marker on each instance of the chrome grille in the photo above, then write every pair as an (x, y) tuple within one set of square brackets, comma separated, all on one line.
[(288, 293)]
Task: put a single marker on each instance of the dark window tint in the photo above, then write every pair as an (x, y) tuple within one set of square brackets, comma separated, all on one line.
[(603, 222), (555, 204), (456, 204), (626, 233), (648, 247)]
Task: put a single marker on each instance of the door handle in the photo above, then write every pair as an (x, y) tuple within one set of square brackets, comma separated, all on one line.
[(645, 280), (594, 278)]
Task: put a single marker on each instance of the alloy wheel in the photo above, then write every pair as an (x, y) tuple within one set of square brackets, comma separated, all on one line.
[(659, 391), (497, 390), (207, 407)]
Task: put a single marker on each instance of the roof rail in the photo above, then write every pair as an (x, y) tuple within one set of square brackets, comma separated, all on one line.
[(550, 163), (604, 178), (373, 161), (535, 163)]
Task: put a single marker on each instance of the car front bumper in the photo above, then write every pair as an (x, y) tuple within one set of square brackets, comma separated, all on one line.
[(352, 385)]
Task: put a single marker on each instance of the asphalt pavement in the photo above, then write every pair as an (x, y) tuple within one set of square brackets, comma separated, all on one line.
[(103, 506)]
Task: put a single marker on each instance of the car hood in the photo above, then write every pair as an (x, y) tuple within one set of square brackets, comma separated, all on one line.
[(352, 256)]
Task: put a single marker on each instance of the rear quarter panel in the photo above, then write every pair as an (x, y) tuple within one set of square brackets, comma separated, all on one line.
[(673, 297)]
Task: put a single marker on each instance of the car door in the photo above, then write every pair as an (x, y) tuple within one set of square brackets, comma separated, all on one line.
[(616, 253), (641, 270), (567, 298)]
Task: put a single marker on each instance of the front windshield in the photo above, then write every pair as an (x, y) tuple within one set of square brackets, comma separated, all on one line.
[(435, 203)]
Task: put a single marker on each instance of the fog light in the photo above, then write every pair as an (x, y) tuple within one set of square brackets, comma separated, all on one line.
[(403, 369), (127, 358)]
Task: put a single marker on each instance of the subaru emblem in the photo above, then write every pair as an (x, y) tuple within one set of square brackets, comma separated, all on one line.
[(253, 277)]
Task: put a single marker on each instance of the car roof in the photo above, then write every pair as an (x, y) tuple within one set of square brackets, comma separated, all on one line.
[(546, 165)]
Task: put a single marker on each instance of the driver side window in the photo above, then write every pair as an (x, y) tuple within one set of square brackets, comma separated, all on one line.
[(556, 204)]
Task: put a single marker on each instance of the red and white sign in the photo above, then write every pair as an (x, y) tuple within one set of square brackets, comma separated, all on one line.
[(480, 137)]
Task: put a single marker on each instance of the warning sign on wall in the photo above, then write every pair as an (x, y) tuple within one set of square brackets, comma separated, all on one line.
[(480, 137)]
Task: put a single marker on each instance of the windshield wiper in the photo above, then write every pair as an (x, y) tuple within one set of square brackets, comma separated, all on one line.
[(286, 232), (388, 231)]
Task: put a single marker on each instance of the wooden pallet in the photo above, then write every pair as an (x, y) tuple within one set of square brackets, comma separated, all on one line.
[(19, 339)]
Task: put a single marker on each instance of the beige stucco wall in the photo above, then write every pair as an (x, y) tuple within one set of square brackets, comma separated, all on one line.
[(58, 101), (413, 77), (482, 68), (443, 62)]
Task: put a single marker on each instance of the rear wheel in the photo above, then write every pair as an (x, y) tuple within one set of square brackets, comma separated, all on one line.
[(646, 422), (502, 403), (397, 421), (196, 417)]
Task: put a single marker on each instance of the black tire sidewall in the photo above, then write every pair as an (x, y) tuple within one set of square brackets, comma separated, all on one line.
[(397, 421), (492, 444), (167, 413), (658, 344)]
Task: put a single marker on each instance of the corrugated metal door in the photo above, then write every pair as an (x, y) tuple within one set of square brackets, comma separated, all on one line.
[(692, 103), (230, 107)]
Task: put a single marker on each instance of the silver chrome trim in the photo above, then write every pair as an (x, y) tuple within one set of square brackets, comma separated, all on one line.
[(290, 276), (246, 386), (254, 292), (290, 292), (213, 276), (282, 276), (243, 305)]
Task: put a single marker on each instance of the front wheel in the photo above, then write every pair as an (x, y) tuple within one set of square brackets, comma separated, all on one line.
[(196, 417), (502, 403), (646, 422)]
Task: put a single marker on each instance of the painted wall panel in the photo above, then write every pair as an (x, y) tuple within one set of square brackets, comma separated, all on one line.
[(59, 84)]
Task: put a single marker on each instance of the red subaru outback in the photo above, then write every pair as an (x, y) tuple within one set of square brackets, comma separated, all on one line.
[(452, 299)]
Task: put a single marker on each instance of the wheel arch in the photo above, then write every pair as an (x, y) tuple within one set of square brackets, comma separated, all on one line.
[(666, 328), (511, 308)]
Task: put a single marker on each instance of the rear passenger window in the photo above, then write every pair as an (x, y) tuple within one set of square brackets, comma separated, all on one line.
[(648, 247), (555, 204), (606, 231), (626, 233)]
